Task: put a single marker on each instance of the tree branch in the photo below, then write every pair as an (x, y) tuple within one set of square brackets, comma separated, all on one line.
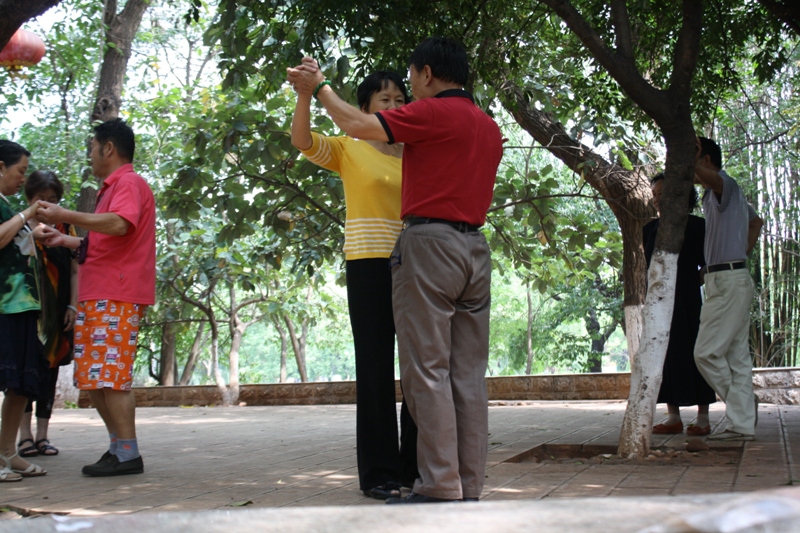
[(622, 29), (15, 13), (621, 67), (684, 59)]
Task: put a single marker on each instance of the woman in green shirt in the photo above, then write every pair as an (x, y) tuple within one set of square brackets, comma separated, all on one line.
[(20, 349)]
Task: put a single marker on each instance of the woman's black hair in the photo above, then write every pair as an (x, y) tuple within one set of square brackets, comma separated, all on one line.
[(11, 152), (43, 180), (693, 197), (378, 81)]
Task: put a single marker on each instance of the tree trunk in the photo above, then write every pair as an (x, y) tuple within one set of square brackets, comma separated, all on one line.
[(18, 12), (657, 315), (237, 329), (633, 329), (282, 334), (233, 358), (595, 362), (191, 362), (215, 370), (670, 109), (169, 367), (529, 332), (298, 345), (120, 30)]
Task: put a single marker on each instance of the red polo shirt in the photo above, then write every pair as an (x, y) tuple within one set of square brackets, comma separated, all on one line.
[(450, 159), (122, 267)]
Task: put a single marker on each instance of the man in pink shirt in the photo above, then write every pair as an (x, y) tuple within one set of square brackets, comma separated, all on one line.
[(116, 282)]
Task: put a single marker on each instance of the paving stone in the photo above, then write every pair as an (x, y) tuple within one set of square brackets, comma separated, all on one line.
[(201, 459)]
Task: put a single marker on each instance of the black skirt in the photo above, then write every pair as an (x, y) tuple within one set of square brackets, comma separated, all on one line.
[(20, 353)]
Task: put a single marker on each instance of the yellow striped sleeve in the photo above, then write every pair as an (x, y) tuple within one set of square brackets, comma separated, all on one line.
[(326, 151)]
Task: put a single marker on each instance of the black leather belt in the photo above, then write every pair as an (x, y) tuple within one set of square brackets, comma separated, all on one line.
[(463, 227), (734, 265)]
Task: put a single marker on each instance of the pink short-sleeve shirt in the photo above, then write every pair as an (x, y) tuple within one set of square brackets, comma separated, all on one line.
[(122, 267)]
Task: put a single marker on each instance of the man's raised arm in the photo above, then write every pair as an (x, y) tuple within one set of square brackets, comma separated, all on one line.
[(308, 77)]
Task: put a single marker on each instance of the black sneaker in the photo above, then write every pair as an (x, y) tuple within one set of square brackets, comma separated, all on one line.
[(112, 467)]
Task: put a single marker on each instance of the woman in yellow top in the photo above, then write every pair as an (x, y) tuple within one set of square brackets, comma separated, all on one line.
[(371, 173)]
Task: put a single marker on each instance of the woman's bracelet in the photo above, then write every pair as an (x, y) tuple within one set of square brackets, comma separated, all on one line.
[(22, 217), (73, 308), (318, 87)]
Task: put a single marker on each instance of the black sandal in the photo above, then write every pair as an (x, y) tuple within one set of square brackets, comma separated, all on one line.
[(27, 451), (46, 449), (390, 489)]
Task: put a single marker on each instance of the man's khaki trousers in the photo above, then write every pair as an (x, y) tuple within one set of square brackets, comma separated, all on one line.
[(722, 351), (441, 296)]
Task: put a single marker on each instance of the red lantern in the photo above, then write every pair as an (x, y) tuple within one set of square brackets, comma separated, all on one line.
[(24, 49)]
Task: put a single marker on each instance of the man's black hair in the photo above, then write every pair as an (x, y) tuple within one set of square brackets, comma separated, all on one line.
[(693, 196), (446, 57), (120, 135), (376, 82), (11, 152), (43, 180), (710, 148)]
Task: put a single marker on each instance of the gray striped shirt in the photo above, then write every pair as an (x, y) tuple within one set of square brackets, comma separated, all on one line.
[(727, 223)]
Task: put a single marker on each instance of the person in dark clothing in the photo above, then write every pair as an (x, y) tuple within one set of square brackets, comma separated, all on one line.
[(58, 286), (682, 384)]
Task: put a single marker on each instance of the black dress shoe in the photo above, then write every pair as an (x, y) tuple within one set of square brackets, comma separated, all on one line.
[(106, 457), (112, 467), (470, 499), (389, 489), (418, 498)]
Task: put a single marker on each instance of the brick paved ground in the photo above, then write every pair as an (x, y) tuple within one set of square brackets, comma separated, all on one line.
[(256, 457)]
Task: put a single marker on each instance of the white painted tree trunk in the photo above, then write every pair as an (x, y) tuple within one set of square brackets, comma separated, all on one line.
[(633, 329), (646, 373), (65, 390)]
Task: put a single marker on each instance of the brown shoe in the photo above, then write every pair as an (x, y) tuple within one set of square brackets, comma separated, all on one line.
[(697, 431), (668, 429)]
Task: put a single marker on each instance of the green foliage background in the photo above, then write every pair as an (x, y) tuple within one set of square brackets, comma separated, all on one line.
[(244, 217)]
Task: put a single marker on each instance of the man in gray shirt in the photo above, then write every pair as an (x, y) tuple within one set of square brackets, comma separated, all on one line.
[(722, 350)]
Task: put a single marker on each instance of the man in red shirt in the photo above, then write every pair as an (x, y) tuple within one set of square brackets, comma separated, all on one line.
[(441, 267), (116, 281)]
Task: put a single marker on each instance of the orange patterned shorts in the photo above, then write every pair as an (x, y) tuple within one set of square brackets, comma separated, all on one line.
[(106, 332)]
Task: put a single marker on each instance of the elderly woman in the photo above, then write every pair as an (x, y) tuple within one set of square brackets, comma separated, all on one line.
[(59, 289), (371, 172), (20, 349)]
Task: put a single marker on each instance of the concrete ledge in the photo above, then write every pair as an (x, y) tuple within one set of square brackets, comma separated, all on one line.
[(550, 387), (773, 385), (777, 385), (758, 511)]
